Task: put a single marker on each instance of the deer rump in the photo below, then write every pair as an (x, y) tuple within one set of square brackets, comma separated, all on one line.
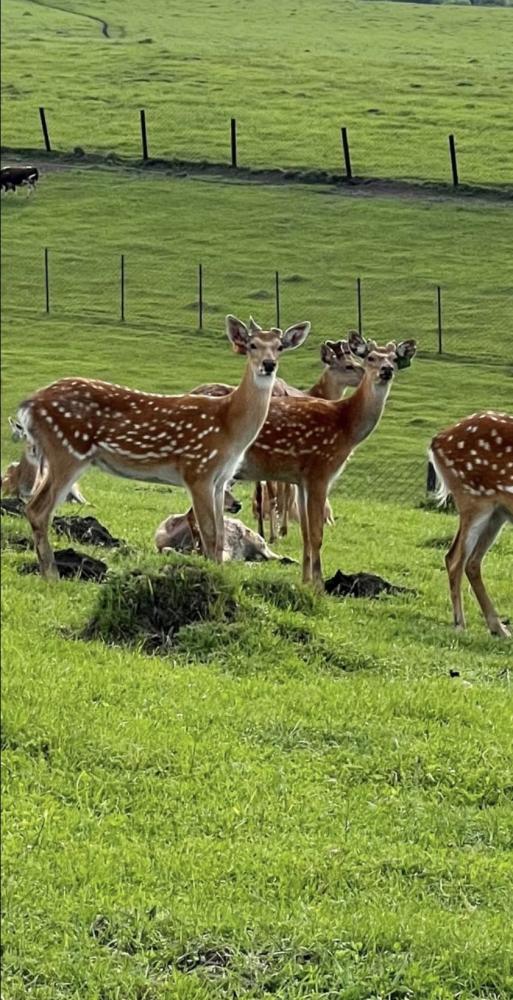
[(241, 544)]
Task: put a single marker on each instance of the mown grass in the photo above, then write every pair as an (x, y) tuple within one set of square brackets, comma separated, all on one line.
[(241, 234), (300, 801), (400, 77), (305, 804)]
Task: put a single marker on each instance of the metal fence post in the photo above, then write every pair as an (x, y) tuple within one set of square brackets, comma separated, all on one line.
[(122, 287), (439, 318), (200, 296), (233, 134), (454, 163), (144, 137), (44, 127), (359, 304), (347, 155), (47, 281)]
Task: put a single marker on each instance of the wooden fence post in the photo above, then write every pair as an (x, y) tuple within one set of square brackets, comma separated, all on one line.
[(277, 286), (347, 155), (144, 137), (454, 162), (233, 133), (200, 296), (439, 318), (44, 127), (359, 304), (47, 281), (122, 287)]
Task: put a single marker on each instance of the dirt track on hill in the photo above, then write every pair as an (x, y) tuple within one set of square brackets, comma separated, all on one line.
[(323, 182)]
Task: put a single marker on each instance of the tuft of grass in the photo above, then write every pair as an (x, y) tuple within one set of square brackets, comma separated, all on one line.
[(148, 607), (283, 594)]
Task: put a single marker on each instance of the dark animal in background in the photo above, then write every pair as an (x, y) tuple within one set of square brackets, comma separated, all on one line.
[(15, 177)]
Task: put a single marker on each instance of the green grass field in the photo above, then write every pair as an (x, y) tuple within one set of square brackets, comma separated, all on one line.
[(303, 802), (400, 77)]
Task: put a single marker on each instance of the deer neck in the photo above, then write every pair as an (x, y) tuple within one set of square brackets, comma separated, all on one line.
[(362, 411), (248, 404)]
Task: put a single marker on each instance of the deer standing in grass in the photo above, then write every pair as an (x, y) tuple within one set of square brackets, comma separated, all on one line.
[(308, 441), (341, 371), (474, 462), (191, 441)]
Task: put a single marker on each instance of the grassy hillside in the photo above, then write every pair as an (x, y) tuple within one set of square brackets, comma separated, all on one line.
[(400, 77), (309, 798), (241, 234)]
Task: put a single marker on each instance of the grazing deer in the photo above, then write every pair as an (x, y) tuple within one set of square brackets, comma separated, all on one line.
[(191, 441), (308, 441), (474, 463)]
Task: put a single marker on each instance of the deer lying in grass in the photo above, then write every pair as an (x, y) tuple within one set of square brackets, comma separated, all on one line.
[(241, 544), (191, 441), (474, 463)]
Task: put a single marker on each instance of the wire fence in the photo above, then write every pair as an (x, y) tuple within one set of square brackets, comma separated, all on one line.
[(429, 153), (141, 287)]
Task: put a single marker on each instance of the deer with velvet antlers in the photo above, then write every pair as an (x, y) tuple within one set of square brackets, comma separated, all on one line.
[(191, 441), (474, 463)]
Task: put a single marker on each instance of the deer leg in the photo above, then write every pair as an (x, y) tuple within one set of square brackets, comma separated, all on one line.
[(489, 533), (193, 528), (272, 500), (39, 511), (202, 495), (259, 500), (315, 510), (219, 517), (463, 544), (283, 507), (303, 519)]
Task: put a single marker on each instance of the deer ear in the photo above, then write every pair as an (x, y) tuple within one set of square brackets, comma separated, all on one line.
[(404, 352), (327, 353), (253, 327), (294, 336), (238, 333), (357, 344)]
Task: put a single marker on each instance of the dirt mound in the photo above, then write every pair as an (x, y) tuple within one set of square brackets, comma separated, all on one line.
[(73, 565), (13, 506), (361, 585), (148, 608), (87, 530)]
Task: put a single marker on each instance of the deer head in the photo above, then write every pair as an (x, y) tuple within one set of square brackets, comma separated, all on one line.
[(404, 351), (337, 356), (262, 347)]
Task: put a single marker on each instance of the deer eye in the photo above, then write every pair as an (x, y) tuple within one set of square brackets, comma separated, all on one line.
[(252, 347), (280, 347)]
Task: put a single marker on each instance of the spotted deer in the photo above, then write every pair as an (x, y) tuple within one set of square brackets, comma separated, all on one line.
[(340, 374), (307, 441), (473, 461), (191, 441)]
